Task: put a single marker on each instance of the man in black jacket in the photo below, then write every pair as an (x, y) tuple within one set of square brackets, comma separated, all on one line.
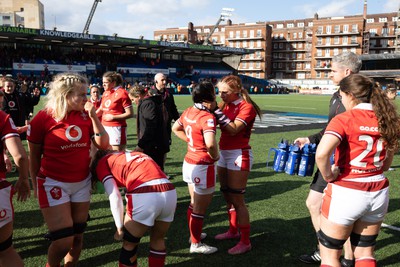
[(169, 108), (18, 105), (152, 139)]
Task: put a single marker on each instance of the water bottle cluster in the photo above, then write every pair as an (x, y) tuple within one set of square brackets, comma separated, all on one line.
[(289, 158)]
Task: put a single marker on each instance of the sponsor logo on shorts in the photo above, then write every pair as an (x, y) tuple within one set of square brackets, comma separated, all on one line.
[(3, 214), (56, 192)]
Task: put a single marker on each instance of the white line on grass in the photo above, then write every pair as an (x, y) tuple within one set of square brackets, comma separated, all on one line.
[(289, 107), (384, 225)]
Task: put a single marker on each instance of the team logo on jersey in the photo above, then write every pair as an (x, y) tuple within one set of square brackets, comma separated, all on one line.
[(3, 214), (11, 104), (84, 115), (210, 123), (107, 103), (73, 133), (56, 193), (197, 180)]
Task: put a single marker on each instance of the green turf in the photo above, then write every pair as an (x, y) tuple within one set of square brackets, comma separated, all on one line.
[(281, 227)]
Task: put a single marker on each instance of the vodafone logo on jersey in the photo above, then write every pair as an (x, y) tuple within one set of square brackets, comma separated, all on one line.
[(197, 180), (73, 133), (56, 193), (3, 214), (11, 104), (107, 103)]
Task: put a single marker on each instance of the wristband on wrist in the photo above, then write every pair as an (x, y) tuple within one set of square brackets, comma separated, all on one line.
[(100, 134)]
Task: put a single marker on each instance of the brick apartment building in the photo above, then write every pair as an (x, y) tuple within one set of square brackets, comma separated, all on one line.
[(297, 49)]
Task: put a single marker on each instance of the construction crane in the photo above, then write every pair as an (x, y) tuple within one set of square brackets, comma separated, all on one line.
[(226, 13), (86, 29)]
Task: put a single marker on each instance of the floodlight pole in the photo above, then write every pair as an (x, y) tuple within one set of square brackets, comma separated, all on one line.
[(86, 29), (225, 13)]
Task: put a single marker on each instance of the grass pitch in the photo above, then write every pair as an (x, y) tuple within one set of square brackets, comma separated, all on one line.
[(281, 229)]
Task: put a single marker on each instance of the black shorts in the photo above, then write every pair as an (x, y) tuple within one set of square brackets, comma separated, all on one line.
[(318, 184)]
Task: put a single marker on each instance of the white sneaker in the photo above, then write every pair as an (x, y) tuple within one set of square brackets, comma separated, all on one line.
[(202, 236), (202, 248)]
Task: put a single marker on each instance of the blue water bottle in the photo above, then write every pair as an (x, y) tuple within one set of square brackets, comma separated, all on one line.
[(292, 164), (307, 160), (281, 156), (311, 162)]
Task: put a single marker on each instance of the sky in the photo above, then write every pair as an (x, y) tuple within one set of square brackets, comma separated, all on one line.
[(135, 18)]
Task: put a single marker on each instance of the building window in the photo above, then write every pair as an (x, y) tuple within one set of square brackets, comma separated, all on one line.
[(336, 40), (251, 44), (237, 44), (300, 35), (346, 28), (293, 55), (345, 40), (383, 19), (258, 33), (353, 50), (290, 25), (353, 39), (318, 74), (244, 65), (231, 34), (251, 33), (245, 34), (328, 29), (280, 65), (320, 29), (237, 34), (251, 65), (230, 44), (337, 28), (259, 43), (328, 41), (299, 55), (336, 51), (198, 30), (258, 65), (327, 52), (279, 26), (206, 30), (354, 28), (281, 36), (384, 42), (244, 43), (295, 35), (300, 45), (300, 24), (307, 66), (385, 31), (319, 41), (310, 24), (6, 17), (395, 19), (370, 20), (280, 45), (319, 52), (275, 46)]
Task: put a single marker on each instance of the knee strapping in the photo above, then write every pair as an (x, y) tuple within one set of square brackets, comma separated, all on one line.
[(79, 228), (6, 243), (128, 257), (232, 191), (59, 234), (358, 240), (330, 242), (130, 238)]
